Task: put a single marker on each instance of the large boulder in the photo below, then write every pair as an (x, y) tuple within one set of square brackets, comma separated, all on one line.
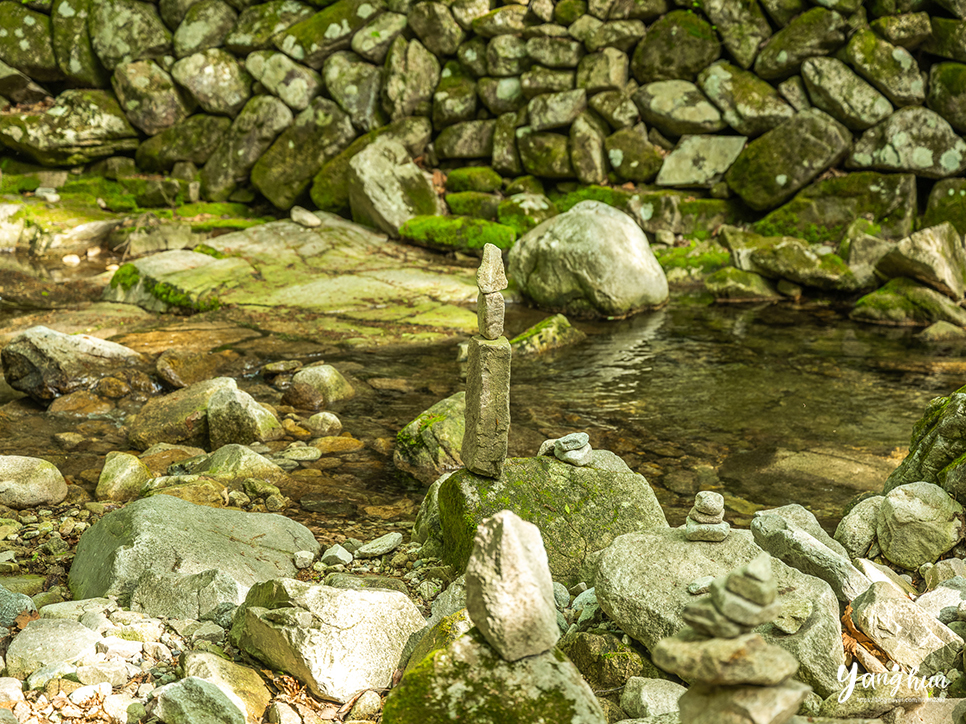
[(590, 507), (166, 533), (917, 523), (81, 126), (904, 302), (467, 680), (386, 189), (235, 417), (47, 642), (643, 579), (592, 261), (46, 364), (179, 595), (430, 445), (336, 640)]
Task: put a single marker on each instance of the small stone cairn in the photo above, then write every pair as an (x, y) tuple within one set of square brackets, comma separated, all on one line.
[(736, 677), (706, 520), (573, 449), (487, 413)]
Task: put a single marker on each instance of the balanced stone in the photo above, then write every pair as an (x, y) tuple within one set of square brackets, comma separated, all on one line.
[(740, 609), (755, 581), (713, 533), (490, 310), (581, 457), (491, 277), (699, 517), (709, 502), (573, 441), (707, 620), (487, 406)]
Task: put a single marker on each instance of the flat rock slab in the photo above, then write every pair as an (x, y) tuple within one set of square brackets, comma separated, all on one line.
[(338, 279), (167, 533), (48, 641)]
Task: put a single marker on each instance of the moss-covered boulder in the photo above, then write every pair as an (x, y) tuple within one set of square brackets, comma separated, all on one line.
[(149, 97), (908, 30), (467, 139), (507, 20), (835, 89), (320, 132), (579, 510), (796, 261), (18, 88), (126, 30), (373, 40), (602, 71), (616, 107), (386, 189), (81, 126), (434, 25), (821, 212), (742, 27), (455, 97), (815, 32), (779, 163), (732, 284), (555, 52), (544, 154), (456, 233), (632, 156), (473, 178), (194, 139), (905, 303), (258, 24), (524, 211), (72, 45), (411, 76), (250, 135), (889, 68), (430, 445), (357, 87), (205, 26), (948, 39), (913, 139), (556, 110), (947, 202), (947, 93), (469, 681), (477, 204), (748, 104), (314, 39), (679, 45), (548, 334), (281, 76), (677, 108), (216, 80), (26, 42)]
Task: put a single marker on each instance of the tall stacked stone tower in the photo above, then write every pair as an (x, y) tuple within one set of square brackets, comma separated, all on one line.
[(488, 374)]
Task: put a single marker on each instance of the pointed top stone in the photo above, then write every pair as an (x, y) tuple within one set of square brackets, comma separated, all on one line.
[(755, 581), (491, 277)]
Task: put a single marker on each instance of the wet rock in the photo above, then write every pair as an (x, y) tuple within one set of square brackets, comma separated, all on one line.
[(194, 699), (891, 69), (46, 364), (242, 685), (122, 477), (25, 42), (736, 285), (180, 417), (72, 46), (250, 135), (700, 160), (126, 30), (284, 171), (295, 84), (918, 522), (318, 386), (48, 641), (591, 493), (835, 89), (909, 635), (468, 676), (934, 256), (205, 26), (386, 188), (193, 139), (187, 537), (337, 641), (813, 33), (216, 80), (149, 97), (915, 140), (81, 126), (412, 74), (678, 46), (235, 417), (779, 163), (258, 24), (314, 39), (430, 445), (748, 104), (604, 289), (904, 302), (181, 369)]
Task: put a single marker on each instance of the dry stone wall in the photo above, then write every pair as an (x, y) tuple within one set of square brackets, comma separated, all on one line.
[(741, 105)]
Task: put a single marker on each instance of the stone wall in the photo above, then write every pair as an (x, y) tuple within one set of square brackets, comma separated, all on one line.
[(749, 101)]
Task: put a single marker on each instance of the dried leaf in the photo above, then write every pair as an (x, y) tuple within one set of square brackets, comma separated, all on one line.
[(21, 621)]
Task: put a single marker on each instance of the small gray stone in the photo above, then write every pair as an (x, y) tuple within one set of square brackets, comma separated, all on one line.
[(12, 605), (709, 502), (303, 559), (561, 596), (491, 276), (650, 697), (699, 517), (304, 217), (490, 312), (739, 609), (573, 441), (336, 555), (581, 457), (380, 546), (701, 585), (716, 533)]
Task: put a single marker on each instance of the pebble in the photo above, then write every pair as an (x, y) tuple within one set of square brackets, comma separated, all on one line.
[(303, 559), (380, 546), (304, 217)]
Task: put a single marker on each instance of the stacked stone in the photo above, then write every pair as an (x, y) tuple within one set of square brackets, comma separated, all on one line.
[(736, 677), (706, 520), (488, 374), (573, 449)]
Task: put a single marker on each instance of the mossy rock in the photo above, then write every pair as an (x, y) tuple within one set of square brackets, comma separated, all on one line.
[(525, 185), (456, 233), (522, 212), (700, 256), (679, 45), (905, 303), (474, 203), (611, 195), (821, 212), (947, 202), (567, 12), (735, 285), (473, 178), (817, 31), (579, 510), (430, 445), (947, 93), (548, 334)]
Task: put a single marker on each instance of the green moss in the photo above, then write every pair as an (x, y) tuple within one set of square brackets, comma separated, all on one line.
[(567, 12), (474, 203), (126, 276), (117, 195), (209, 251), (616, 197), (212, 208), (525, 185), (228, 224), (330, 188), (410, 435), (454, 233), (17, 184), (703, 255), (474, 178)]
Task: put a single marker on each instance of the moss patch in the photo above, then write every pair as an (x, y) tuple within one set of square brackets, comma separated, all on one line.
[(456, 233), (474, 203), (474, 178), (706, 256)]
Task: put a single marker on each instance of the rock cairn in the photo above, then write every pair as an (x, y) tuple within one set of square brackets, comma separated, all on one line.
[(488, 374), (509, 591), (573, 449), (706, 520), (736, 677)]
